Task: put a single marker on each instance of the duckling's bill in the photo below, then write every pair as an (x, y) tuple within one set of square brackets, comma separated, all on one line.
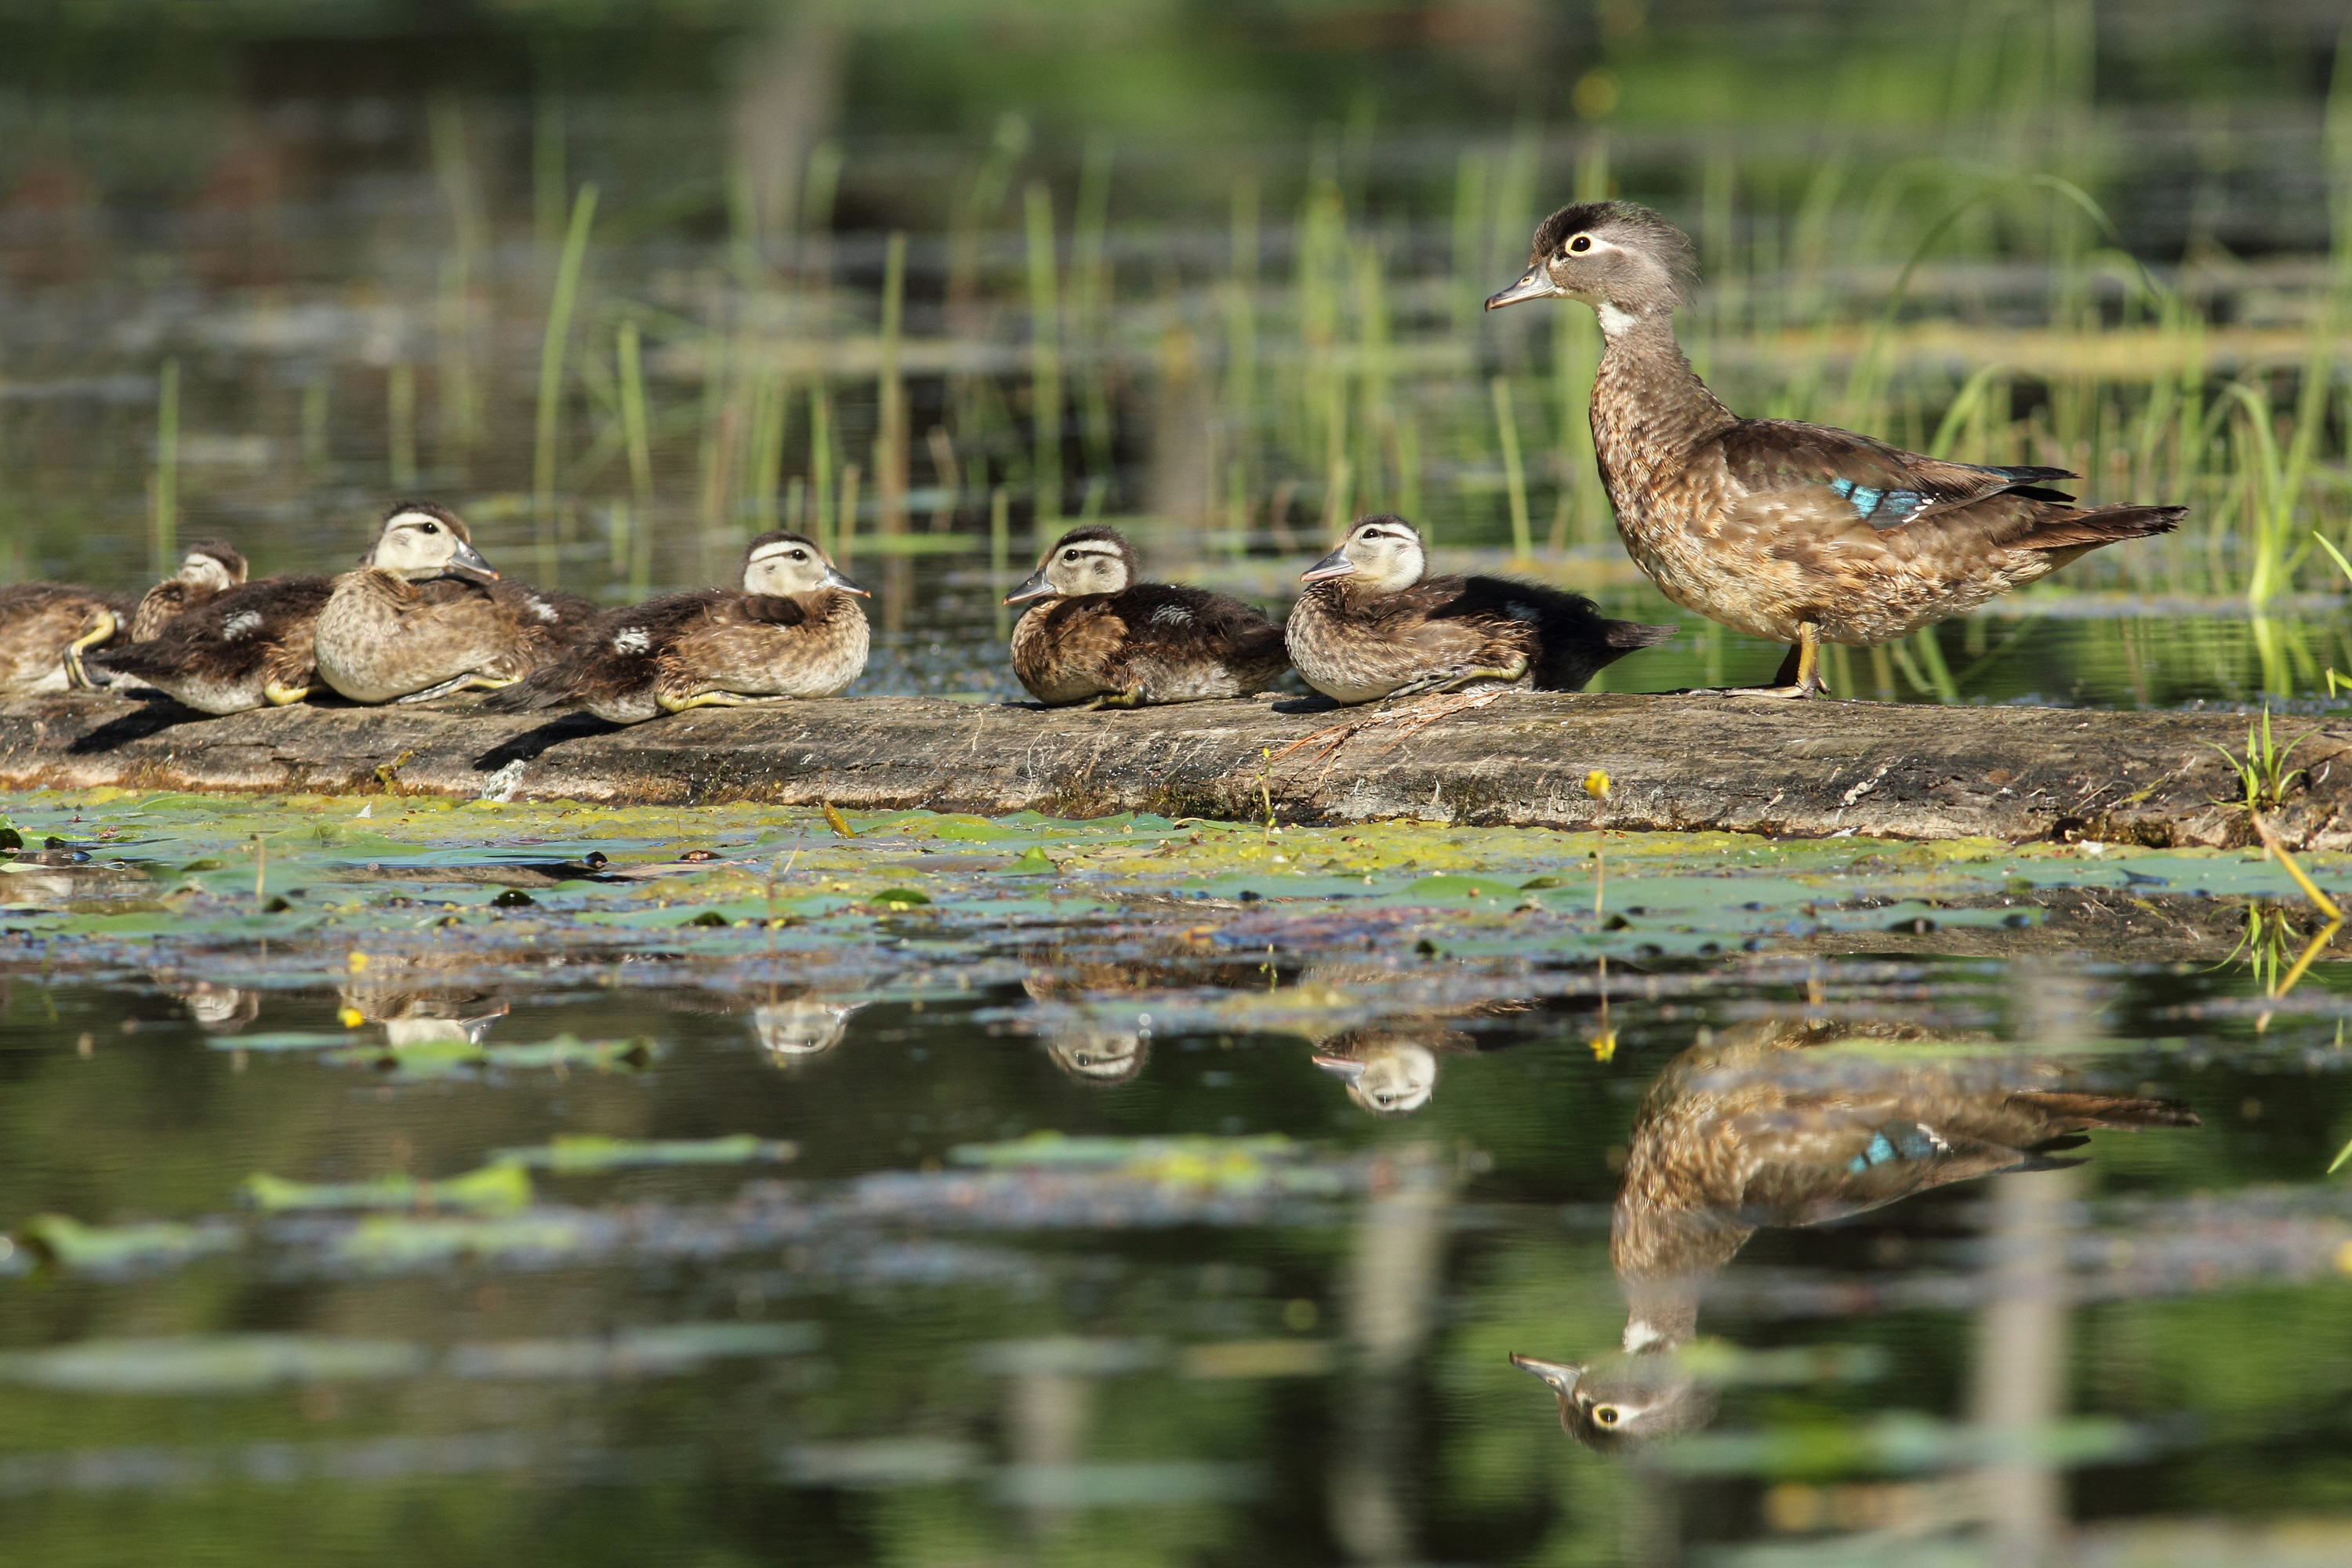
[(1033, 586), (1335, 565), (467, 563)]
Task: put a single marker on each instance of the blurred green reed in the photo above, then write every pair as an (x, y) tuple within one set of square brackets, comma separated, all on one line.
[(164, 487), (545, 507)]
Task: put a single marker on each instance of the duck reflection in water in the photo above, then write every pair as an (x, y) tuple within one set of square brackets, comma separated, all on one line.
[(1109, 1045), (798, 1025), (1789, 1121), (413, 1015), (1390, 1064)]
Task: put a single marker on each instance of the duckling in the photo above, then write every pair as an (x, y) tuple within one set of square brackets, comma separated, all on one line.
[(1796, 533), (249, 646), (426, 615), (1371, 625), (1107, 639), (45, 630), (791, 632), (213, 567), (1746, 1131)]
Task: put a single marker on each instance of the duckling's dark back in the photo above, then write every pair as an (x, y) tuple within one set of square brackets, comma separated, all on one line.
[(1574, 640)]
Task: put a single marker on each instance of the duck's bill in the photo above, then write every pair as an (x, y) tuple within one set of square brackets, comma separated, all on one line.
[(1033, 586), (1339, 1066), (1559, 1373), (1534, 286), (469, 562), (833, 579), (1335, 565)]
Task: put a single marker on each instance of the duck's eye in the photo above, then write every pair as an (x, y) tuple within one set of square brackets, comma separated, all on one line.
[(1580, 245), (429, 528), (800, 554), (1385, 1098), (1605, 1414), (1069, 555)]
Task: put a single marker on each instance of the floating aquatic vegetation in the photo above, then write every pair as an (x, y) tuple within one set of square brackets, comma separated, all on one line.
[(492, 1189), (585, 1152)]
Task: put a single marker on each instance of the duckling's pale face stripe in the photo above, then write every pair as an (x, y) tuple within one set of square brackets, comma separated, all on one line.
[(784, 568), (1388, 557), (1094, 566)]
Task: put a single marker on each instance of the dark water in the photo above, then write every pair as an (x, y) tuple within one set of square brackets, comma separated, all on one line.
[(1150, 1198)]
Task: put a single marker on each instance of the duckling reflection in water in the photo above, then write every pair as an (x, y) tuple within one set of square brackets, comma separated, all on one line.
[(453, 1016), (798, 1029), (793, 631), (1390, 1066), (1787, 1123), (1108, 639), (426, 615), (1373, 624)]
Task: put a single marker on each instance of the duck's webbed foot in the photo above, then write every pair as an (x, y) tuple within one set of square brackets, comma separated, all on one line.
[(1131, 697), (1800, 675), (723, 700), (278, 696), (472, 680), (77, 674), (1454, 678)]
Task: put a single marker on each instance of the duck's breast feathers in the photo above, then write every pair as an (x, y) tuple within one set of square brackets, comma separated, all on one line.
[(1839, 480)]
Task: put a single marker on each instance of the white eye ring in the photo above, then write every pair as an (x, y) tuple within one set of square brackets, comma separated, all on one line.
[(1606, 1415), (1577, 247)]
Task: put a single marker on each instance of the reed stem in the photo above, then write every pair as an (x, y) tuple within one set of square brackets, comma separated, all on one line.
[(1000, 555), (165, 487), (845, 537), (551, 377), (400, 418), (1045, 359), (1515, 476), (890, 440)]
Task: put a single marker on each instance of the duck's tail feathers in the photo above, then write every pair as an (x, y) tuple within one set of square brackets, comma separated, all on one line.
[(1631, 635), (2104, 525), (143, 659), (2077, 1111)]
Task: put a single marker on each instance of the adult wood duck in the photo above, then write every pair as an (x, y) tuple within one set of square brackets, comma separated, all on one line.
[(1373, 625), (1108, 639), (792, 632), (1781, 529), (249, 646), (212, 566), (1772, 1123), (426, 615)]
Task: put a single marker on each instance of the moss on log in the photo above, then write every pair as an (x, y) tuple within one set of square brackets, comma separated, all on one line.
[(1740, 764)]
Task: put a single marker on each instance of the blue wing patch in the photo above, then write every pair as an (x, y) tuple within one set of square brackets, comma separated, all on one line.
[(1880, 509), (1911, 1142)]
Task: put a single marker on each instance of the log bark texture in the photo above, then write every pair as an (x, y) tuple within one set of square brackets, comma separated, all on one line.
[(1740, 764)]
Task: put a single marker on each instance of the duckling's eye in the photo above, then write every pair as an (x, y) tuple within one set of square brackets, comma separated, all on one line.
[(800, 554), (1385, 1098), (1581, 244), (1606, 1415), (1069, 555), (429, 528)]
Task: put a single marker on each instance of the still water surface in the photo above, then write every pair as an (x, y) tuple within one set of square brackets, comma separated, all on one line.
[(1140, 1190)]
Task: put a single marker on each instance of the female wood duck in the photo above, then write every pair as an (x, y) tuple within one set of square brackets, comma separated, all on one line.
[(792, 632), (1792, 531), (213, 567), (1772, 1123), (249, 646), (1110, 640), (426, 615), (1372, 625)]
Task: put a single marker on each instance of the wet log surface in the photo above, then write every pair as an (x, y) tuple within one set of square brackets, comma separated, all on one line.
[(1748, 766)]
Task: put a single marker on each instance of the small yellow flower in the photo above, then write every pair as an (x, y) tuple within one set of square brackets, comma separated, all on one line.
[(351, 1017), (357, 961), (1596, 784), (1604, 1048)]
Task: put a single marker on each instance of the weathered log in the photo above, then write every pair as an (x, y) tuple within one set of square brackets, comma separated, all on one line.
[(1743, 764)]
